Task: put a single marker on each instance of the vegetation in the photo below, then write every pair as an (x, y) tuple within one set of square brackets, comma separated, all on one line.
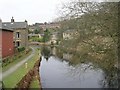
[(20, 49), (97, 24), (36, 39), (37, 31), (46, 36), (12, 60), (11, 80), (35, 83)]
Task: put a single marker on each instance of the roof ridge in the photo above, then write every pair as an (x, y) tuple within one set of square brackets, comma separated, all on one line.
[(15, 24)]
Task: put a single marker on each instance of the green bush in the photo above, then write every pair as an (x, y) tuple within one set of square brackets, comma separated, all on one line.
[(36, 39), (20, 49)]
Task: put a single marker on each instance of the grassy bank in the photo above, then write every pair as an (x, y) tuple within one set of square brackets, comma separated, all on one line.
[(17, 60), (35, 83), (14, 78)]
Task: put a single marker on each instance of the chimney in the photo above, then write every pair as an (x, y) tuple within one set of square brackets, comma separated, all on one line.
[(0, 20), (12, 20), (26, 21)]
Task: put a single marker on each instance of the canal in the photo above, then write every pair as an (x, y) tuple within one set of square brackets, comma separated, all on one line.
[(63, 69)]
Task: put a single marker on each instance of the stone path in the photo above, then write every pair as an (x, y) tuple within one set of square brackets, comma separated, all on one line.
[(15, 67)]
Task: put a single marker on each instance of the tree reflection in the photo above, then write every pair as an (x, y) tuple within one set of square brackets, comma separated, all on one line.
[(45, 51), (106, 64)]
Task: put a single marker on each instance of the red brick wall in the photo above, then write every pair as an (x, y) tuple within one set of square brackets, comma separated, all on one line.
[(7, 43)]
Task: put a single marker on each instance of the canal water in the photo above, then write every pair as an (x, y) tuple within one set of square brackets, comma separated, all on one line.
[(60, 69)]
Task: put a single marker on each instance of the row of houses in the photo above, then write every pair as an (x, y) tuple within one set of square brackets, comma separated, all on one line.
[(13, 35), (50, 26), (43, 26), (66, 35)]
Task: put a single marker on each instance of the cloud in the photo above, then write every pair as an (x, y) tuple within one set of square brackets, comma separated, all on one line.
[(32, 10)]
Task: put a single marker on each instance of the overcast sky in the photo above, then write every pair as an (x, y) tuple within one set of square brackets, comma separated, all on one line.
[(31, 10)]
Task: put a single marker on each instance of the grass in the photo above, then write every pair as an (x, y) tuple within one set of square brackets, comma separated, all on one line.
[(35, 83), (14, 62), (14, 78), (4, 68)]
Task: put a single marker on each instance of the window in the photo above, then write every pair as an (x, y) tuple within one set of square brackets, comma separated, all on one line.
[(17, 44), (18, 34)]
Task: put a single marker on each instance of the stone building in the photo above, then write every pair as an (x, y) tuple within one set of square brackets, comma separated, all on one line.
[(70, 34), (44, 26), (20, 32)]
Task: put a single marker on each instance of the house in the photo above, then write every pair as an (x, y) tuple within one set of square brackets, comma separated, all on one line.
[(6, 41), (70, 34), (20, 32), (34, 27), (54, 38), (31, 28), (52, 25)]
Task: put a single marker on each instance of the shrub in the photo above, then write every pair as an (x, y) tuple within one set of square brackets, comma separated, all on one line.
[(20, 49)]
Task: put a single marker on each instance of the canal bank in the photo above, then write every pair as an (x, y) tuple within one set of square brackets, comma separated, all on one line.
[(14, 78), (36, 82), (32, 78)]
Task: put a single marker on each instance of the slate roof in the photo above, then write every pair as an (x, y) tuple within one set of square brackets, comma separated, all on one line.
[(6, 28), (14, 25)]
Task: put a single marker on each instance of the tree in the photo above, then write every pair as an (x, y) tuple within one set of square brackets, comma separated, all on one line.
[(97, 24), (37, 31), (89, 17), (46, 36)]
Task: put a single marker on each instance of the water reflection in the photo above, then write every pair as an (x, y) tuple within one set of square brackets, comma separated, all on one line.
[(64, 69), (46, 52)]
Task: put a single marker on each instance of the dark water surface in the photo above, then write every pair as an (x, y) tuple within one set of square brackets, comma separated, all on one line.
[(60, 70)]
